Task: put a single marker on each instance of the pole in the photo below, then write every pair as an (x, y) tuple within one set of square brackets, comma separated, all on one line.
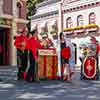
[(13, 60), (59, 31), (60, 17)]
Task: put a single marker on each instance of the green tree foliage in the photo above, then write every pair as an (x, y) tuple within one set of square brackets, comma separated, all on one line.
[(31, 6)]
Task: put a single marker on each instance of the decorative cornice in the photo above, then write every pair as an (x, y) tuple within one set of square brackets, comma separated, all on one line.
[(19, 20), (46, 2), (82, 7), (45, 15), (85, 6), (6, 16), (5, 26)]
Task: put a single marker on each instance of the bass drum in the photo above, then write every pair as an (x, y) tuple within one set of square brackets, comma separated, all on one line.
[(89, 68)]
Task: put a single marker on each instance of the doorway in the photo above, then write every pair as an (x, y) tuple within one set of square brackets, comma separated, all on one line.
[(4, 46)]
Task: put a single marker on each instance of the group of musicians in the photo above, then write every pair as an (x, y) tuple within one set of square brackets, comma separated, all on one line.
[(27, 48), (27, 56)]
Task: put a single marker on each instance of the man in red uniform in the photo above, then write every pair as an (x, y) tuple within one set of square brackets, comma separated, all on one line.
[(94, 41), (34, 45), (46, 40), (21, 45)]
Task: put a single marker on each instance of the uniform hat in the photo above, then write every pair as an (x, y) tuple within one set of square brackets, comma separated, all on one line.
[(43, 34), (33, 31), (92, 38)]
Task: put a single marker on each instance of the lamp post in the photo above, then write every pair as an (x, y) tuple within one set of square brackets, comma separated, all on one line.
[(60, 29)]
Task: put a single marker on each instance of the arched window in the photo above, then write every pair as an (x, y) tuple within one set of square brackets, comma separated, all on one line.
[(80, 20), (54, 25), (69, 22), (92, 18), (46, 27), (43, 27), (19, 5)]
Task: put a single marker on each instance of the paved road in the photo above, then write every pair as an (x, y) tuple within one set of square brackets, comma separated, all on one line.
[(10, 89)]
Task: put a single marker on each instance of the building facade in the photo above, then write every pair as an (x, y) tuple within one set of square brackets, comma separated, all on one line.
[(46, 17), (80, 19), (12, 18)]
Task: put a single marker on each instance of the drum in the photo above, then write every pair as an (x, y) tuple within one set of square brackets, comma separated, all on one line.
[(89, 67)]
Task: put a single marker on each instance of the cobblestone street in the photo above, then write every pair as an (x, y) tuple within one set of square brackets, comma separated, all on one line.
[(10, 89)]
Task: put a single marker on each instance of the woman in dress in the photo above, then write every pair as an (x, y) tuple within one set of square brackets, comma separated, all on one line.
[(65, 55)]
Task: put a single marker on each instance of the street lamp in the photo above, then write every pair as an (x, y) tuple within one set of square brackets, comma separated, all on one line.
[(60, 29)]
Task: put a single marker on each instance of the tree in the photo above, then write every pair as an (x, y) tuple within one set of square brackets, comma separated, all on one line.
[(31, 5)]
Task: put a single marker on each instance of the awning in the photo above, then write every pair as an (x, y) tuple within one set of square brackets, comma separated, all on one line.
[(81, 30), (91, 27)]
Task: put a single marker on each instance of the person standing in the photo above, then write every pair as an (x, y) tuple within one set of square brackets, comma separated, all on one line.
[(34, 45), (65, 55), (47, 41), (95, 42), (21, 45)]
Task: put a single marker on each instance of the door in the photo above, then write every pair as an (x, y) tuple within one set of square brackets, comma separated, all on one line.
[(4, 46)]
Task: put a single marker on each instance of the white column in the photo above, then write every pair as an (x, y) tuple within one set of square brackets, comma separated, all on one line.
[(1, 7), (60, 29), (13, 60), (78, 63)]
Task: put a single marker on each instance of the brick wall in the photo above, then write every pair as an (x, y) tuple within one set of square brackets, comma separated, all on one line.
[(23, 10), (7, 7)]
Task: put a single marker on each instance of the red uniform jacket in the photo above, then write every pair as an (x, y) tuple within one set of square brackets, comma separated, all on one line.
[(19, 40), (33, 45)]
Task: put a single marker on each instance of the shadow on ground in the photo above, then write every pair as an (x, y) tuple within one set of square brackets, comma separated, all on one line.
[(50, 90)]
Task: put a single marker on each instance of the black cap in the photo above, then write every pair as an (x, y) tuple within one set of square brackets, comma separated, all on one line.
[(33, 31)]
